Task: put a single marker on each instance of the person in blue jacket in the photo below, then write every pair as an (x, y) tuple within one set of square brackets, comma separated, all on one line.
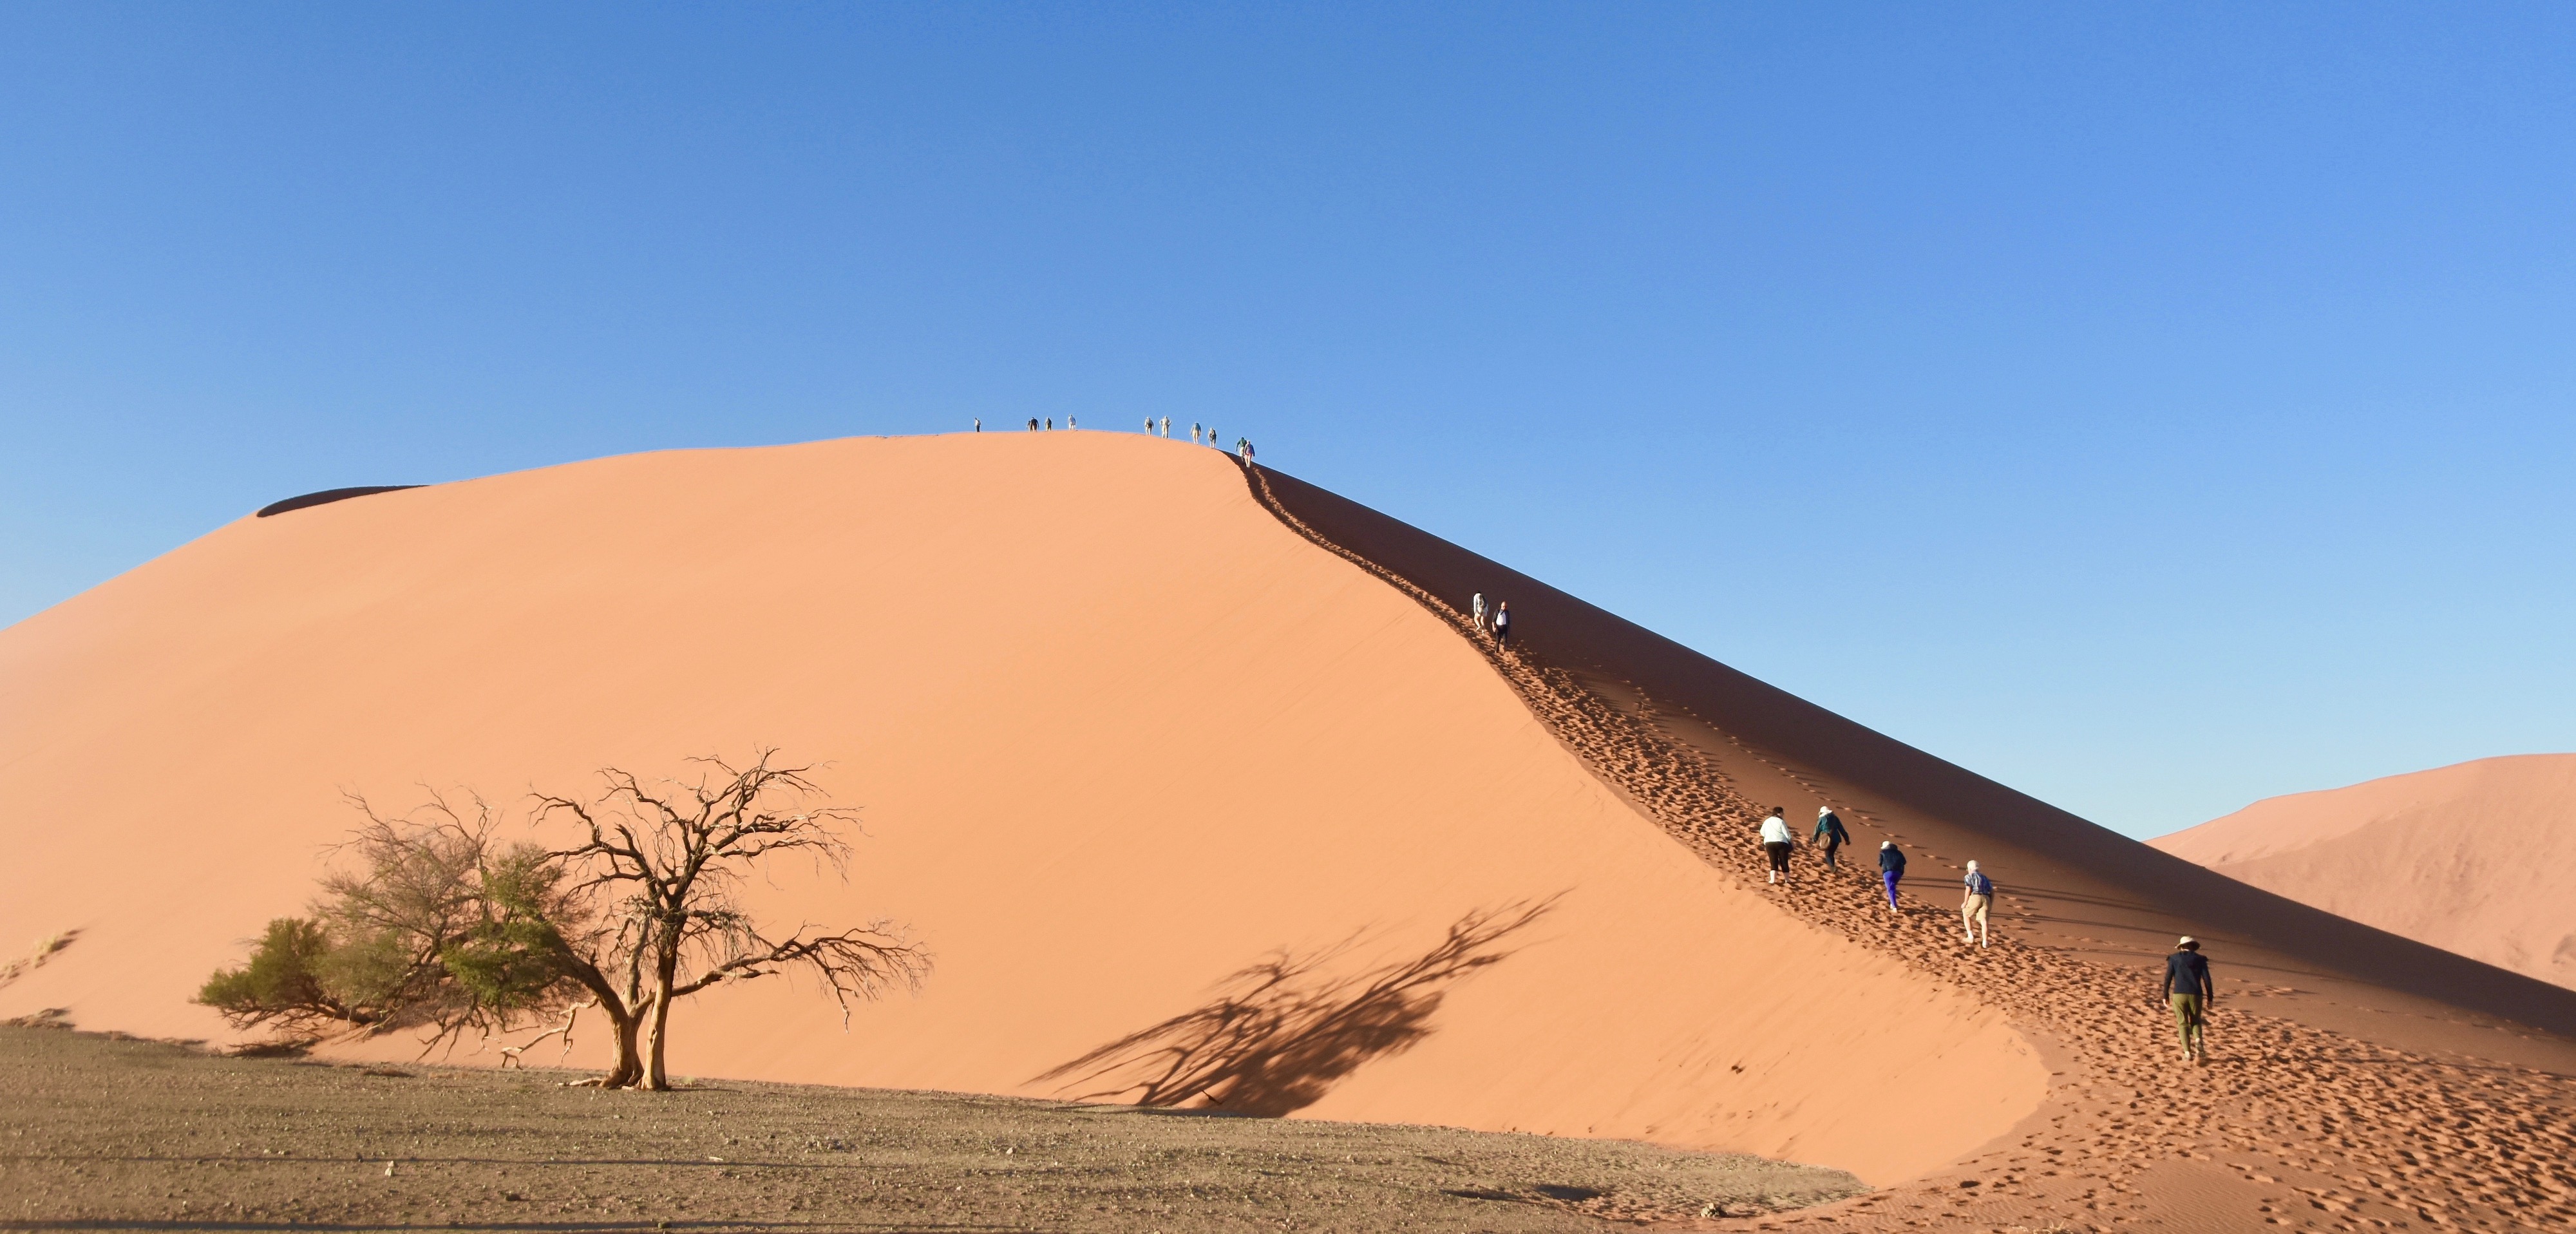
[(1891, 869), (1829, 834)]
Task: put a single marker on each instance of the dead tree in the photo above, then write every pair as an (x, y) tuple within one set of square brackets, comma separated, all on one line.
[(673, 857)]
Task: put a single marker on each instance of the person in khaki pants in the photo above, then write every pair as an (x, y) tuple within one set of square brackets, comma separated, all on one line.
[(1980, 901)]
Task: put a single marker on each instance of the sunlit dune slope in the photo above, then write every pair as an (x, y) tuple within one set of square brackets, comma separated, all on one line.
[(2477, 858), (1118, 733)]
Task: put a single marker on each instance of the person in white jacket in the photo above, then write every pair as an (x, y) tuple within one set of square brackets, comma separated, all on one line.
[(1776, 843)]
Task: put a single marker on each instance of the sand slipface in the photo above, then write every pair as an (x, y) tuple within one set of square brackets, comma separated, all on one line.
[(2477, 858), (2358, 1079), (1118, 733)]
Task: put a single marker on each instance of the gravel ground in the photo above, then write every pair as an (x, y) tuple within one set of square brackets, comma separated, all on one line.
[(104, 1133)]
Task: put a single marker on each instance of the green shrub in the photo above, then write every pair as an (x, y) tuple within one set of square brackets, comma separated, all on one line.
[(282, 982)]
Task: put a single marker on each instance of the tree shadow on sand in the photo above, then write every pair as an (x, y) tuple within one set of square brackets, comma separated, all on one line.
[(1281, 1033)]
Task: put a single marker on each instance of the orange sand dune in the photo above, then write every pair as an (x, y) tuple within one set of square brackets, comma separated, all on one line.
[(2080, 885), (2478, 858), (1129, 721), (2357, 1080), (1118, 734)]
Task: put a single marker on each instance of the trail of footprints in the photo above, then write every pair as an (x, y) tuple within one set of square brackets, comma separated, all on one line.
[(2335, 1132)]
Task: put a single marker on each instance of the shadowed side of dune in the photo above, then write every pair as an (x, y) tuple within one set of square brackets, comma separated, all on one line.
[(325, 497), (2102, 882)]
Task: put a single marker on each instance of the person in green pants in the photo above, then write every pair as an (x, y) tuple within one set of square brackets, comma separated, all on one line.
[(1830, 834), (2189, 989)]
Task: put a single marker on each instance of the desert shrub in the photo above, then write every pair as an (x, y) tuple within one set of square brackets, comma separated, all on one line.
[(282, 982), (433, 926)]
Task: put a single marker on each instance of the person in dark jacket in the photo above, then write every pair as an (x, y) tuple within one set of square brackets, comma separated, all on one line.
[(2188, 987), (1830, 834), (1891, 869), (1502, 625)]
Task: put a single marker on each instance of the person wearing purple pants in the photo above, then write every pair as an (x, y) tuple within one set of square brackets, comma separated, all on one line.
[(1891, 869)]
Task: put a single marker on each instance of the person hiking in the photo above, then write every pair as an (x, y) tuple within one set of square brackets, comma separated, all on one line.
[(1776, 843), (1980, 901), (1167, 427), (1476, 612), (1829, 832), (1502, 625), (1891, 869), (1033, 424), (2188, 987), (979, 424)]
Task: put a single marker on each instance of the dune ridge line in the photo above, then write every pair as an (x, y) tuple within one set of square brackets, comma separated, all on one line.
[(2411, 1119)]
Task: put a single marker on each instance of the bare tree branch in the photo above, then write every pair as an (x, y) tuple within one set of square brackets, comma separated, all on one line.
[(680, 851)]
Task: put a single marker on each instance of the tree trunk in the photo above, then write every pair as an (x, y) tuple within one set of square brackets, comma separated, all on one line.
[(658, 1024), (630, 1064)]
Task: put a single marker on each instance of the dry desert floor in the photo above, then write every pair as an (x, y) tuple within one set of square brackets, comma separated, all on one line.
[(98, 1133)]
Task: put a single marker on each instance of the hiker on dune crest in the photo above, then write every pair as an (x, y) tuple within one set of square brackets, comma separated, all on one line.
[(1891, 869)]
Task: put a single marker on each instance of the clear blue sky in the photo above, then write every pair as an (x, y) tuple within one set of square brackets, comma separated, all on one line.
[(2152, 407)]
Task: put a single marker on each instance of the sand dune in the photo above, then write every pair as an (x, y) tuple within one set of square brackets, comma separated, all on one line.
[(2477, 858), (1134, 736), (1119, 736), (2360, 1081)]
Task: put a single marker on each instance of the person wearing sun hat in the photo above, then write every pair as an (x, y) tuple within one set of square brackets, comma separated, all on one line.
[(1979, 903), (1830, 834), (2188, 987)]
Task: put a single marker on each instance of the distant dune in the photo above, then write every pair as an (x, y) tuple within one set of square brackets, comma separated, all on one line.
[(1130, 722), (2477, 858)]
